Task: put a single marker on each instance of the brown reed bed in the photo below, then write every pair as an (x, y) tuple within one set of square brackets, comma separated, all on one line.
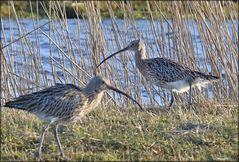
[(219, 46)]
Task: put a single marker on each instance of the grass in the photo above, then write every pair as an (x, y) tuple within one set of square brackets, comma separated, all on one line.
[(140, 11), (206, 133)]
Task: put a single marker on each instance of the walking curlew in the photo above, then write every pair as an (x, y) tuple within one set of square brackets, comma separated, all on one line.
[(63, 103), (166, 73)]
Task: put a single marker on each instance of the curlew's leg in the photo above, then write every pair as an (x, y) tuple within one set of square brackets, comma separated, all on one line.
[(41, 139), (172, 99), (58, 141), (190, 96)]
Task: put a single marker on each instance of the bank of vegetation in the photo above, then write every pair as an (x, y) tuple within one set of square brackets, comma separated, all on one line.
[(140, 11)]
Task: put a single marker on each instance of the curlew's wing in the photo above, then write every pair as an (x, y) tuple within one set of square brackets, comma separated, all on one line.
[(167, 70), (59, 100)]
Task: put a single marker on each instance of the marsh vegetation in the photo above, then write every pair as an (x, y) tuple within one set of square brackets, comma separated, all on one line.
[(202, 35)]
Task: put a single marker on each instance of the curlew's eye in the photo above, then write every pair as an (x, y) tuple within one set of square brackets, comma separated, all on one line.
[(102, 82)]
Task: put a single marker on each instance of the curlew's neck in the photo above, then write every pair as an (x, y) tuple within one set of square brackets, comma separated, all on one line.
[(140, 55), (90, 89), (93, 100)]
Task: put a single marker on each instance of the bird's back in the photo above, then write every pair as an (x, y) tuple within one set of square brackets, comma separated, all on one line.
[(166, 70), (59, 101), (171, 75)]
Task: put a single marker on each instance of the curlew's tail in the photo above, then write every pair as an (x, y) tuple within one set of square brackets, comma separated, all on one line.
[(9, 104), (207, 77), (18, 103), (12, 104), (203, 79), (212, 77)]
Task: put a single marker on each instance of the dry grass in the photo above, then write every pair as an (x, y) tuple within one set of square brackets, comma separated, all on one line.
[(210, 133), (76, 58)]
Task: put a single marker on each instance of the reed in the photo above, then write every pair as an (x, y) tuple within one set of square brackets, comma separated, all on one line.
[(71, 54)]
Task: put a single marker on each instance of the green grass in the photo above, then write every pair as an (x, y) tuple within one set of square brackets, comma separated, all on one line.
[(23, 9), (208, 133)]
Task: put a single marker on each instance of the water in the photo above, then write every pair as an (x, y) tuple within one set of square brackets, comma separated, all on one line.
[(81, 42)]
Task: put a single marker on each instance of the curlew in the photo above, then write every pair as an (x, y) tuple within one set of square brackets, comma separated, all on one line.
[(63, 103), (166, 73)]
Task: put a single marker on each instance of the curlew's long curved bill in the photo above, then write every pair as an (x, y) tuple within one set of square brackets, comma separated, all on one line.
[(116, 90), (111, 56)]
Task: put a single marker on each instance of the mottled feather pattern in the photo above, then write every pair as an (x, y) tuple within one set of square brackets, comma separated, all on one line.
[(63, 103), (164, 72), (59, 101), (169, 71), (92, 102)]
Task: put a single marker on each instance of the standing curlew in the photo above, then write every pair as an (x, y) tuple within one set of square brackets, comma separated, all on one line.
[(63, 103), (166, 73)]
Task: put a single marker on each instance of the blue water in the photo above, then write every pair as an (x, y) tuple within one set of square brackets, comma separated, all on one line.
[(10, 31)]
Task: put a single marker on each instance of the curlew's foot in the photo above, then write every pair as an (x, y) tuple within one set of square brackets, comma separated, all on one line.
[(65, 158), (38, 156), (190, 107), (171, 101), (165, 110), (170, 107)]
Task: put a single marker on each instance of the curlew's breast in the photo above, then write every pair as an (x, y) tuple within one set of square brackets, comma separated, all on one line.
[(92, 102)]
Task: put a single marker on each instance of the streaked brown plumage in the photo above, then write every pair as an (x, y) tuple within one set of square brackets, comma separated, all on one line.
[(63, 103), (164, 72)]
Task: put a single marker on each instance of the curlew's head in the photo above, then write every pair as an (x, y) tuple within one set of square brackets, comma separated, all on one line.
[(99, 84), (133, 46)]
